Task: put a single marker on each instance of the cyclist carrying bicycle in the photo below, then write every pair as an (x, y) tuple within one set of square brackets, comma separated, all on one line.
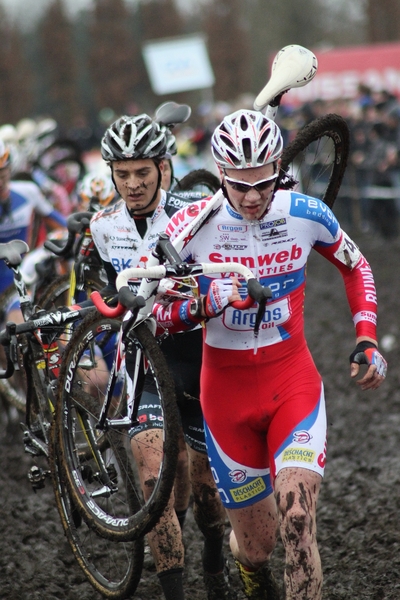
[(262, 396), (136, 149)]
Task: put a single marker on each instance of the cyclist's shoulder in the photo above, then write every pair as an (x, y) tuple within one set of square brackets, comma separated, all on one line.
[(110, 211), (307, 207), (24, 188), (176, 201)]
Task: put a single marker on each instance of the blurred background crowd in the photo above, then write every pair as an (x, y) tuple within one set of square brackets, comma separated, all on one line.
[(69, 68)]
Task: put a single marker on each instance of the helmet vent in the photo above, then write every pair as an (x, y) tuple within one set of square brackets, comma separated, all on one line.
[(246, 145), (244, 124), (228, 141), (264, 137)]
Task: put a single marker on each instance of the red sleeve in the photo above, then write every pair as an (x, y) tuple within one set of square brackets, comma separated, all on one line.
[(175, 317), (360, 290)]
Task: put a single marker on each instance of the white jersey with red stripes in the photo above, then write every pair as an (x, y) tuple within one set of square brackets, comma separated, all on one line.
[(276, 249)]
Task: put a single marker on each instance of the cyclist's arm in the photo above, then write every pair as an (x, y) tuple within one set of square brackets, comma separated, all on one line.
[(110, 289), (359, 284), (177, 316), (55, 220)]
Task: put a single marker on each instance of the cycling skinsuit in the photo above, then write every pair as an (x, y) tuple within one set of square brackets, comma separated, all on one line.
[(16, 219), (121, 246), (263, 399)]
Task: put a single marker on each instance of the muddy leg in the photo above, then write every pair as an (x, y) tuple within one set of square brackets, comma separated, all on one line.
[(296, 492)]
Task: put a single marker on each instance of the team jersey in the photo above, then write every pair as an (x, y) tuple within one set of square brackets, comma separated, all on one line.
[(262, 398), (276, 249), (116, 235), (25, 200)]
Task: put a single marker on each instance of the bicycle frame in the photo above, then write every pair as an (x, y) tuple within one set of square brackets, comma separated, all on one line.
[(39, 342)]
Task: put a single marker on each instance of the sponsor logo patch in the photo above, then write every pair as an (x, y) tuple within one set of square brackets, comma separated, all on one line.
[(298, 455), (245, 492)]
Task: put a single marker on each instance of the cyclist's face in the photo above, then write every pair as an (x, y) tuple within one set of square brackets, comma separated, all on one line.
[(251, 203), (5, 175), (136, 182)]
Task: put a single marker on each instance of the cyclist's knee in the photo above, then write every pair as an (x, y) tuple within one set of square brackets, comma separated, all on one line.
[(253, 552)]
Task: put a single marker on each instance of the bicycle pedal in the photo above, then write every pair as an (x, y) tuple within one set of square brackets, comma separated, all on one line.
[(37, 477), (122, 423)]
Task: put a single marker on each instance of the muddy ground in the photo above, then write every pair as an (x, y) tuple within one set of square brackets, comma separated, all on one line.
[(359, 508)]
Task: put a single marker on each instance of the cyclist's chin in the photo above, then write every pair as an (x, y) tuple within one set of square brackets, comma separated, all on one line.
[(252, 213), (137, 205)]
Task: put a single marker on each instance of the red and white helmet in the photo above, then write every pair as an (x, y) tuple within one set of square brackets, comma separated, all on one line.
[(245, 139)]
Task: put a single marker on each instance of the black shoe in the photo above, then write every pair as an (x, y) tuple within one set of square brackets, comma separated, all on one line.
[(218, 586), (259, 585)]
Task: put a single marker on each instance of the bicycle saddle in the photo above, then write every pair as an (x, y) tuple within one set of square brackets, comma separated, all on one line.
[(293, 66), (171, 113)]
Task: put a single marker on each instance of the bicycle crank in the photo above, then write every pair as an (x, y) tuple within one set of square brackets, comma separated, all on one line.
[(33, 444)]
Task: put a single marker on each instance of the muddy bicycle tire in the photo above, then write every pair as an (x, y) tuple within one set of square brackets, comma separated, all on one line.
[(89, 455), (55, 294), (317, 158), (199, 178), (112, 568)]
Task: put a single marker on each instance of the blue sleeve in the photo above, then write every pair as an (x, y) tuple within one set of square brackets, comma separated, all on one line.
[(58, 217)]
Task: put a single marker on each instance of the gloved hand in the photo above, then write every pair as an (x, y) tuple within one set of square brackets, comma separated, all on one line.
[(218, 295), (367, 353)]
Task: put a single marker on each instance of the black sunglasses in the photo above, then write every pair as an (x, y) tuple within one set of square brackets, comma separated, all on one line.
[(243, 187)]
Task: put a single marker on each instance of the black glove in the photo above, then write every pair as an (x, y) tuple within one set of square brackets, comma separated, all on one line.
[(367, 353)]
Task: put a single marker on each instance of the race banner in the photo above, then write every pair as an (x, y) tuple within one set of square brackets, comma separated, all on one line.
[(342, 70)]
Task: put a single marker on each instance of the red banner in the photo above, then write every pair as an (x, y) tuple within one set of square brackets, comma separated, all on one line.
[(340, 71)]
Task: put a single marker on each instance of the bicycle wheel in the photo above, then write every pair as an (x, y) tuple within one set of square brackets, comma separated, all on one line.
[(199, 180), (55, 294), (112, 568), (317, 158), (25, 383), (99, 465)]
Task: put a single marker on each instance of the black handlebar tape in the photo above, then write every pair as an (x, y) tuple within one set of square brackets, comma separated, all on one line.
[(257, 291), (76, 223), (128, 299), (55, 249)]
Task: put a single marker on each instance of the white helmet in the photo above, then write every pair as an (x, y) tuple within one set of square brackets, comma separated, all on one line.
[(137, 137), (8, 133), (25, 129), (245, 139)]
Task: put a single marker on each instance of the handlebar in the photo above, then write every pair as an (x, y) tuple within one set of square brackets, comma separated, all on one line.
[(128, 299), (125, 301), (76, 223), (43, 319)]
